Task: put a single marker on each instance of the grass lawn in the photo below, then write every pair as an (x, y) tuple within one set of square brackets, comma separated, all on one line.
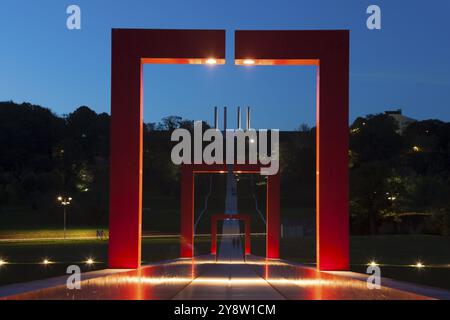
[(48, 233), (54, 234), (395, 254), (24, 258)]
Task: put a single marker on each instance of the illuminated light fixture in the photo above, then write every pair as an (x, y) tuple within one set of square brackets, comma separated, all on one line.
[(2, 262), (46, 261), (252, 140), (90, 261), (65, 201), (419, 265), (373, 264), (248, 62), (211, 61), (222, 172), (416, 149)]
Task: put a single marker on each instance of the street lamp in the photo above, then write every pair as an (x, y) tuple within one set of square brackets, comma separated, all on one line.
[(65, 201), (373, 264)]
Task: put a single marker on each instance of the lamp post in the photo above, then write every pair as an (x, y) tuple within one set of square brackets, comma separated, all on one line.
[(65, 201)]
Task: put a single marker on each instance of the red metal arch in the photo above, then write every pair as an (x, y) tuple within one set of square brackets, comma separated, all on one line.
[(131, 49), (327, 50), (187, 205)]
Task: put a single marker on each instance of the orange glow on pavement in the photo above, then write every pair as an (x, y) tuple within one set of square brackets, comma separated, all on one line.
[(227, 281)]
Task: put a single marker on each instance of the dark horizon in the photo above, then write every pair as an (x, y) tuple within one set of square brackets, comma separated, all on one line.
[(210, 120)]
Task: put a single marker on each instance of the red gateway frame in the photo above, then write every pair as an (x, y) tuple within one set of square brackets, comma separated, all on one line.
[(187, 205), (327, 50)]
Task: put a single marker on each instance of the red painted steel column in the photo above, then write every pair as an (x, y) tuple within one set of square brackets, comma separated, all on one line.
[(130, 49), (329, 51), (273, 217), (125, 159), (187, 212), (213, 235), (332, 160), (247, 235)]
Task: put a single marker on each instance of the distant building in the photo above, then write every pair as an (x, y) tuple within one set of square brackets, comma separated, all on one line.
[(403, 121)]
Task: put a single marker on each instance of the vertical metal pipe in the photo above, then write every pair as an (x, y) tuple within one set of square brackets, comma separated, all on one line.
[(216, 118), (248, 118), (239, 118), (224, 118)]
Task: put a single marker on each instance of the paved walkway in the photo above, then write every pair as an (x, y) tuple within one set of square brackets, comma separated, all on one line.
[(230, 246), (229, 282), (206, 279)]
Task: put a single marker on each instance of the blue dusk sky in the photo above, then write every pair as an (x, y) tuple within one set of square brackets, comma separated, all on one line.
[(404, 65)]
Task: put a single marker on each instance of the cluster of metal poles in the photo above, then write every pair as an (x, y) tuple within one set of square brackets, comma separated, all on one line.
[(225, 118)]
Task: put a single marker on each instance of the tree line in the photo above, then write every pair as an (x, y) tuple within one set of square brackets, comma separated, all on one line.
[(398, 178)]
